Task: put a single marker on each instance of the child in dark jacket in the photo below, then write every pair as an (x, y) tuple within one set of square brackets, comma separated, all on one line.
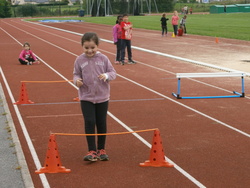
[(164, 24)]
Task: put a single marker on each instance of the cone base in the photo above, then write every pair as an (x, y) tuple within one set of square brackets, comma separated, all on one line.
[(24, 102), (156, 164), (61, 169)]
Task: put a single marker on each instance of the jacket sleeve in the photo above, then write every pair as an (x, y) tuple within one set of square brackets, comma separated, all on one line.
[(115, 33), (77, 73), (21, 56), (110, 70)]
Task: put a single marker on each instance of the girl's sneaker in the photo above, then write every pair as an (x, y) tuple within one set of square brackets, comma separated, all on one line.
[(36, 62), (117, 62), (91, 156), (102, 155)]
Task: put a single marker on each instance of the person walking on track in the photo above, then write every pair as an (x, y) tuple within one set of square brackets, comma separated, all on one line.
[(92, 73)]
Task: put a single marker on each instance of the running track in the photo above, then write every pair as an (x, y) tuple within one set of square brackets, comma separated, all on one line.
[(206, 139)]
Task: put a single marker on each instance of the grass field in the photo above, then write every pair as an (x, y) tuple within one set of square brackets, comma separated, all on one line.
[(234, 25)]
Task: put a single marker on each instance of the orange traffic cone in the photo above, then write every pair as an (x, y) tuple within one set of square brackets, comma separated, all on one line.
[(173, 35), (157, 157), (52, 161), (23, 99), (216, 40)]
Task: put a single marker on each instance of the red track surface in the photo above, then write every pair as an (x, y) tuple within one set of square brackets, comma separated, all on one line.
[(194, 132)]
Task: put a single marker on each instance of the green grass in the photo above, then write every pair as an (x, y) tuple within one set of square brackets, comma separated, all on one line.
[(234, 25)]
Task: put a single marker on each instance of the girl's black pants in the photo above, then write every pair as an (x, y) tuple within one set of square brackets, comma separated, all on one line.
[(95, 116), (24, 62)]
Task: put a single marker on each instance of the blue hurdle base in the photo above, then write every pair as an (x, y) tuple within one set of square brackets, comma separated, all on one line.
[(211, 97)]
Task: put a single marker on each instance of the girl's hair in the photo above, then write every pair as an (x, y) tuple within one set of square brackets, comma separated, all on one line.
[(163, 15), (124, 15), (89, 36), (26, 43), (118, 17)]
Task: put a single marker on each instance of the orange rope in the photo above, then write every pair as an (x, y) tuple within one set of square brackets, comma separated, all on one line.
[(69, 134), (47, 81)]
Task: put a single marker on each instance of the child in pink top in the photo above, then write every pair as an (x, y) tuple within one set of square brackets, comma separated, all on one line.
[(175, 19), (117, 38), (26, 56)]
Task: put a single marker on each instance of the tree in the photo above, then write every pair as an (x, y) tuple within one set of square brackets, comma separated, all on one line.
[(5, 9), (165, 5), (27, 10)]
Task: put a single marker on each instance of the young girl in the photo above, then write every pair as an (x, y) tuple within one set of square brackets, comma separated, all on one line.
[(126, 40), (92, 74), (164, 24), (175, 19), (117, 38), (26, 56)]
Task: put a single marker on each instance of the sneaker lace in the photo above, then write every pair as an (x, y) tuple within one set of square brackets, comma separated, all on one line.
[(102, 152), (92, 153)]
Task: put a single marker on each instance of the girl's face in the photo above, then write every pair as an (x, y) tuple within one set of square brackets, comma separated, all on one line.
[(120, 20), (26, 47), (90, 48), (125, 18)]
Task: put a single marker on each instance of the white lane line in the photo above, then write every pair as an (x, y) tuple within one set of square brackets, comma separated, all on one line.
[(192, 109), (169, 99), (26, 134), (209, 117), (54, 116), (186, 174), (28, 183), (152, 51), (135, 134), (219, 88)]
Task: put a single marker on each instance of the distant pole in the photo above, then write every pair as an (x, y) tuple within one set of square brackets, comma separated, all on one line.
[(105, 8), (81, 4)]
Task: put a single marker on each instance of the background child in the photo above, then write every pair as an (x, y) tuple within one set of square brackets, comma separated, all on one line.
[(92, 73), (175, 19), (26, 56), (117, 38), (126, 39), (164, 24), (183, 23)]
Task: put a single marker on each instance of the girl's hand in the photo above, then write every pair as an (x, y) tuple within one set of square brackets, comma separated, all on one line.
[(79, 82), (103, 77)]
